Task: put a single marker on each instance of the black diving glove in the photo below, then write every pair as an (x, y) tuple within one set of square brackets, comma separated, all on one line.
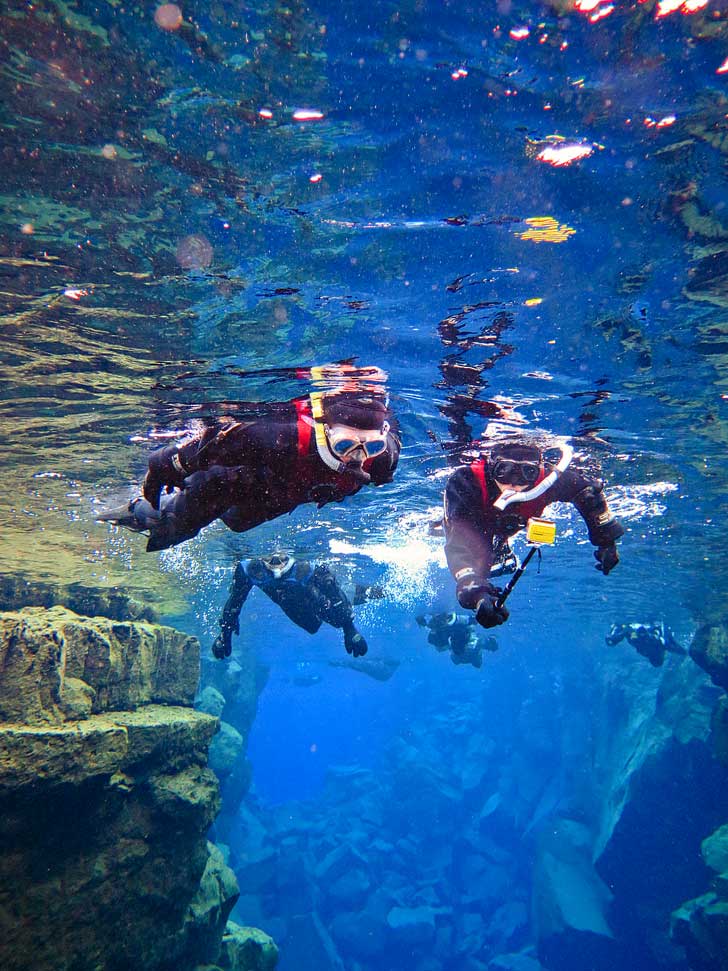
[(470, 591), (354, 642), (489, 614), (165, 469), (222, 647), (607, 557)]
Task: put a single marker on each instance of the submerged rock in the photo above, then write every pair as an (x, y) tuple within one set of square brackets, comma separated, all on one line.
[(701, 927), (247, 949), (570, 900), (122, 664), (106, 798), (17, 591), (714, 850), (709, 650)]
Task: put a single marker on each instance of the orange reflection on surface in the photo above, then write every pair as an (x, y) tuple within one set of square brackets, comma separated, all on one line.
[(545, 229), (662, 123), (723, 69), (168, 16)]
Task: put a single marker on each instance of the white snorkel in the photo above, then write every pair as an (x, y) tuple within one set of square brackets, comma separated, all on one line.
[(322, 443), (511, 495)]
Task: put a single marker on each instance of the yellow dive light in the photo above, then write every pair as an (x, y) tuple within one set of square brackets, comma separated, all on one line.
[(540, 530)]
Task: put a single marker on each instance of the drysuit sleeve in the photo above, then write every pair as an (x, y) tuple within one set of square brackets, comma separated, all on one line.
[(241, 587), (588, 497), (468, 540)]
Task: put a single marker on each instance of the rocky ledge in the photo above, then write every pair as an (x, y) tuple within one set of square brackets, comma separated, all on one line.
[(106, 800)]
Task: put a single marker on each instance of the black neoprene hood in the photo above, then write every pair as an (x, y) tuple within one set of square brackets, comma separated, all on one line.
[(356, 410)]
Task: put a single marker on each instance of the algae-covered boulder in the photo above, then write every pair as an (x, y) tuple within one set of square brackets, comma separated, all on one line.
[(714, 850), (226, 750), (247, 949), (107, 863), (122, 665), (701, 927), (211, 906), (709, 650)]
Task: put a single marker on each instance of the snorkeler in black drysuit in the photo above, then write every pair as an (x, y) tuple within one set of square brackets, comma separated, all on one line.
[(454, 633), (309, 595), (320, 449), (492, 498), (650, 640)]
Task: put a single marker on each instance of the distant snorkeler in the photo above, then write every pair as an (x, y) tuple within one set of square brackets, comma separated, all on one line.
[(493, 497), (309, 595), (652, 640), (320, 448), (449, 631)]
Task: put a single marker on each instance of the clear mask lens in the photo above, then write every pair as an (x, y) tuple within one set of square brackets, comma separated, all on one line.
[(342, 447), (516, 473)]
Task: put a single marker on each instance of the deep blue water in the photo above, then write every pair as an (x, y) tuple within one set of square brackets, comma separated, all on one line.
[(412, 251)]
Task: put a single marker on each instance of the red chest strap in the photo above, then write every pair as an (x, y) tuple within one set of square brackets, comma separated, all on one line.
[(304, 428), (478, 470)]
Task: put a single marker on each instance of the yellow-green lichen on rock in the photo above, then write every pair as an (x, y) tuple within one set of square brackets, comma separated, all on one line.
[(123, 664), (106, 798)]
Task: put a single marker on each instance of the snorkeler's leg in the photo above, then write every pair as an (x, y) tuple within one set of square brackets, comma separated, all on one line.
[(205, 497)]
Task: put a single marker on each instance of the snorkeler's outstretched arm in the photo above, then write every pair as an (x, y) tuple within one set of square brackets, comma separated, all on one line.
[(604, 527), (229, 621)]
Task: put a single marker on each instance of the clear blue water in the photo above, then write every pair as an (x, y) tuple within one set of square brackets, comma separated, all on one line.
[(362, 234)]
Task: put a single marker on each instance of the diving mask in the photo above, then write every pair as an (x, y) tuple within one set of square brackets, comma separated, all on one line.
[(516, 473), (278, 564), (343, 443)]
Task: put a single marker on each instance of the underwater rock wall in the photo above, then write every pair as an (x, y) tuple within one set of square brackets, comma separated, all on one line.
[(106, 800), (502, 839), (700, 924)]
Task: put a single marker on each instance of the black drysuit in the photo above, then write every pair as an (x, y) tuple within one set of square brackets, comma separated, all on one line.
[(308, 595), (248, 472), (474, 526)]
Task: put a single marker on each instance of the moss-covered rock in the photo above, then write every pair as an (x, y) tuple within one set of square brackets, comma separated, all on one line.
[(123, 664), (107, 863), (709, 650), (247, 949)]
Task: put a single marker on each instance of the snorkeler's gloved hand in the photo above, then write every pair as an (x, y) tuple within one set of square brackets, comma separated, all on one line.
[(471, 590), (223, 642), (222, 646), (354, 642), (607, 557), (489, 614), (164, 469)]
